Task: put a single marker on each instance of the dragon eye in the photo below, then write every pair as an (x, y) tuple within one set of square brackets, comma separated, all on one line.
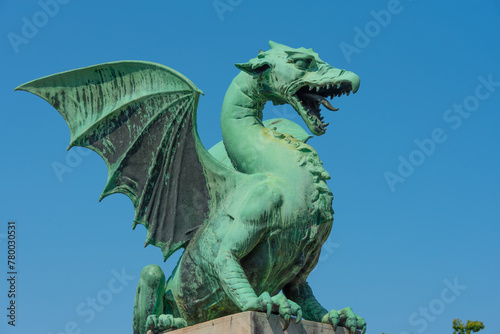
[(303, 64)]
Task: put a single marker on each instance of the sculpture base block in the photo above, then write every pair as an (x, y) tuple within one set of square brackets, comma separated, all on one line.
[(257, 323)]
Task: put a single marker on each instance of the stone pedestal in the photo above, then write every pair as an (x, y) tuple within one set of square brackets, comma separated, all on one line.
[(257, 323)]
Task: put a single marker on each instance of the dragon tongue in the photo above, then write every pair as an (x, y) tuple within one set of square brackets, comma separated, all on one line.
[(314, 97), (321, 99), (328, 105)]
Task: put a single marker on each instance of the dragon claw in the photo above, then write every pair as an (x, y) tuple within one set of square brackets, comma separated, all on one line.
[(362, 324), (299, 316), (267, 302), (345, 318), (152, 322), (287, 321), (278, 304), (156, 324), (287, 309), (335, 323)]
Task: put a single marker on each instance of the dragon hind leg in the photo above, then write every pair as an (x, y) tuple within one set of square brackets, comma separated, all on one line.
[(151, 303)]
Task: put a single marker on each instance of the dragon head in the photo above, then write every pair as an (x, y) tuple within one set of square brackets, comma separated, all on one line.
[(300, 78)]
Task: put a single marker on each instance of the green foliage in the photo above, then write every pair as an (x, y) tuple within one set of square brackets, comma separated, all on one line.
[(470, 327)]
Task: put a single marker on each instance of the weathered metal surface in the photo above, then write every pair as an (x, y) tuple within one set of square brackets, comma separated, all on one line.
[(252, 217)]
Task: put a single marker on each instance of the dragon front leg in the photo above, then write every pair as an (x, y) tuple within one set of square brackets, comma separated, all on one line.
[(300, 291), (245, 233)]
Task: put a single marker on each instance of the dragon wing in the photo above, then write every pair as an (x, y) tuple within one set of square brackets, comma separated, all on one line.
[(140, 117)]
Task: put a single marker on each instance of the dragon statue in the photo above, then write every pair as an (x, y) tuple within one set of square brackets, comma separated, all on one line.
[(251, 214)]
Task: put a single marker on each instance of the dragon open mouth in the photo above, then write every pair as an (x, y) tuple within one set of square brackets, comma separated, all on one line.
[(308, 98)]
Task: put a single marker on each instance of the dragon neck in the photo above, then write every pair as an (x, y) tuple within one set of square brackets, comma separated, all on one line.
[(241, 123), (254, 148)]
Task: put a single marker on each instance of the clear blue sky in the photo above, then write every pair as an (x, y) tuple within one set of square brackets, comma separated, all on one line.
[(414, 155)]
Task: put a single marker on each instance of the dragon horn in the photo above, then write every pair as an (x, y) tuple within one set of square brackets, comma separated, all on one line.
[(274, 45)]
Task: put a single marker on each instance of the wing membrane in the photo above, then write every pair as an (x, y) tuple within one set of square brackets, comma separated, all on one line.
[(140, 118)]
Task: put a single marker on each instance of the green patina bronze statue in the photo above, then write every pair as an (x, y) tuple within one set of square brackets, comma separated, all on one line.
[(251, 214)]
